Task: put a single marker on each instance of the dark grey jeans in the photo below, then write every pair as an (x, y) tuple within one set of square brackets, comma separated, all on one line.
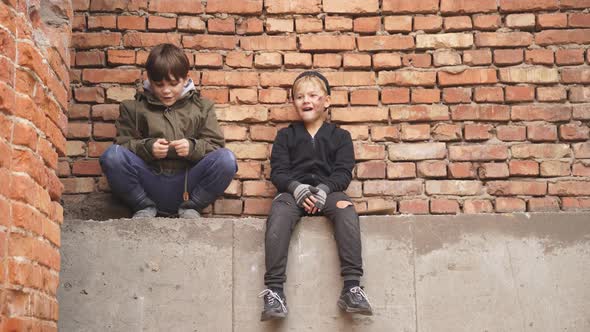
[(283, 217)]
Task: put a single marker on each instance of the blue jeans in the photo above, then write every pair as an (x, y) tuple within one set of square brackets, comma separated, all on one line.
[(140, 185)]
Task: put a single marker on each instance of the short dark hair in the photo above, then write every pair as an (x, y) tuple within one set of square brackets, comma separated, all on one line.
[(166, 61)]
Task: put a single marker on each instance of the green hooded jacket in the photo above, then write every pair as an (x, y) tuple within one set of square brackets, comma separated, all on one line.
[(145, 119)]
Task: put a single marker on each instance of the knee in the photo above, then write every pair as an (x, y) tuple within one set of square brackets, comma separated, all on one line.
[(111, 157), (338, 201), (284, 203), (225, 161)]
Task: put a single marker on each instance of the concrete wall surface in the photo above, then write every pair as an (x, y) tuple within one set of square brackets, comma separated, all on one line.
[(518, 272)]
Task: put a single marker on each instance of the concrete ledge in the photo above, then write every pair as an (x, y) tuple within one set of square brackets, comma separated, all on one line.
[(525, 272)]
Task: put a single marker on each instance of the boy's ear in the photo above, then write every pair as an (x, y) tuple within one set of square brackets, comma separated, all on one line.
[(327, 101)]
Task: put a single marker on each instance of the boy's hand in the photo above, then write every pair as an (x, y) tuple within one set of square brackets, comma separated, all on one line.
[(320, 197), (160, 148), (310, 205), (181, 146)]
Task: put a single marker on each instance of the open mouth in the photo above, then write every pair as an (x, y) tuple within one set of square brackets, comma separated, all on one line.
[(307, 109)]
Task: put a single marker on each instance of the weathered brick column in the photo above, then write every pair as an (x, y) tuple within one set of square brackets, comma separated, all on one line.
[(455, 106), (34, 83)]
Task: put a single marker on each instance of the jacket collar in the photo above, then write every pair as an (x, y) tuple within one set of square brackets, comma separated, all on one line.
[(187, 93)]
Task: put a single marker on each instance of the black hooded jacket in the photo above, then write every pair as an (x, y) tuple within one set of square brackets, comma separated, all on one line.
[(327, 158)]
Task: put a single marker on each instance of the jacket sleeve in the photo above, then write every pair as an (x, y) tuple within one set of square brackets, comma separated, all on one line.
[(208, 138), (343, 165), (280, 163), (129, 136)]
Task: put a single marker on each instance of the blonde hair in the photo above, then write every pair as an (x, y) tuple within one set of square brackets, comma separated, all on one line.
[(305, 79)]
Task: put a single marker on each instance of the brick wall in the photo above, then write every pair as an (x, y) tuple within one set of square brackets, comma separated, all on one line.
[(34, 58), (455, 106)]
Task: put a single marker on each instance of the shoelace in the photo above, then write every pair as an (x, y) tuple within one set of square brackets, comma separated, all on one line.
[(272, 296), (357, 290)]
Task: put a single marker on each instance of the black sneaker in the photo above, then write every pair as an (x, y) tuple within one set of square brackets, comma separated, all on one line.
[(275, 305), (354, 300)]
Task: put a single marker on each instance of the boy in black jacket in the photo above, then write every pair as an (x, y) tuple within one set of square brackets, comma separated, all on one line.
[(311, 166)]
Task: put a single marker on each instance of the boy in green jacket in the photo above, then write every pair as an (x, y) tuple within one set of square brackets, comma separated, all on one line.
[(169, 154)]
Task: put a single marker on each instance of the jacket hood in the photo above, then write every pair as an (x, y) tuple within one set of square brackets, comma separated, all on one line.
[(147, 91)]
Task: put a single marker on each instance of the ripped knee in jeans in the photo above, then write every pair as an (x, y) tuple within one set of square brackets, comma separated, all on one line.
[(343, 204)]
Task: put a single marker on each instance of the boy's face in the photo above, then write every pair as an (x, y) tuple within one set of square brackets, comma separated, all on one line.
[(168, 91), (310, 101)]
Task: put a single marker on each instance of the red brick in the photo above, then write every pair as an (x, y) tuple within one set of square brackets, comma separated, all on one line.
[(91, 58), (385, 133), (359, 114), (431, 23), (417, 60), (418, 132), (104, 130), (381, 43), (263, 133), (456, 95), (478, 152), (102, 22), (477, 57), (276, 25), (503, 39), (401, 170), (413, 206), (351, 6), (524, 168), (520, 93), (466, 6), (553, 20), (350, 78), (457, 23), (556, 37), (446, 132), (472, 206), (520, 21), (575, 4), (243, 96), (364, 97), (425, 96), (293, 6), (338, 23), (574, 203), (354, 61), (462, 170), (249, 26), (551, 113), (552, 168), (489, 94), (297, 60), (131, 22), (541, 151), (367, 24), (229, 78), (111, 75), (575, 75), (432, 169), (551, 94), (395, 96), (370, 170), (327, 60), (468, 76), (214, 42), (543, 204), (480, 112), (386, 61), (570, 188), (570, 56), (250, 7), (581, 112), (514, 187), (407, 78), (228, 206), (487, 22), (96, 149), (86, 40), (257, 206), (161, 23), (579, 94), (508, 57), (404, 6), (508, 204), (117, 5), (249, 170), (86, 167), (148, 39), (478, 132), (444, 206), (581, 168), (272, 96), (259, 188), (413, 113), (511, 133), (539, 56), (523, 6), (493, 171), (397, 23), (367, 151), (24, 134), (393, 188), (268, 43), (222, 25), (572, 132)]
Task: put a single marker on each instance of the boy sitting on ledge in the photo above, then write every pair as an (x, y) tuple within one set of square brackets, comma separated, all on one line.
[(311, 166), (168, 156)]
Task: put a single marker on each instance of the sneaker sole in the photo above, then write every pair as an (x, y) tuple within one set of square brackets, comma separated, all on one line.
[(342, 305), (272, 316)]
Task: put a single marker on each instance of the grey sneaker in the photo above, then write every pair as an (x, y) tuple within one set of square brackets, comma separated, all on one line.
[(355, 300), (188, 214), (148, 212), (275, 305)]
